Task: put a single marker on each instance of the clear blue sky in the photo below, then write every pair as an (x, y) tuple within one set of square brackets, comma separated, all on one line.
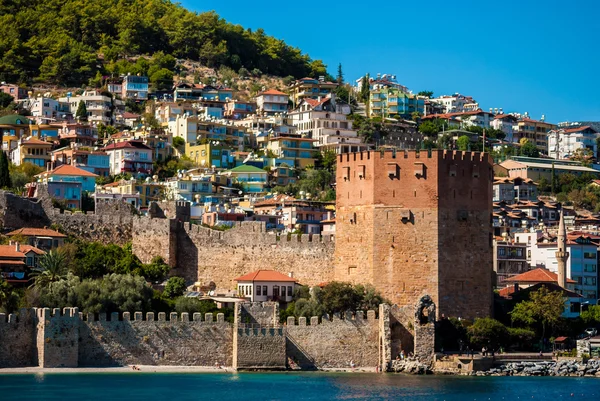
[(542, 57)]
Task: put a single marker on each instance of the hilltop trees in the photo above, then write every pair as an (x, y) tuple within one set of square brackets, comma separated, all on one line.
[(66, 42)]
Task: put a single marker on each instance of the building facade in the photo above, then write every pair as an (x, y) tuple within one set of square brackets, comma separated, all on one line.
[(565, 143), (272, 102), (134, 87)]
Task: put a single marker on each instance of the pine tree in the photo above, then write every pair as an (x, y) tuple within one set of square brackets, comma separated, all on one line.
[(81, 113), (340, 75), (4, 173)]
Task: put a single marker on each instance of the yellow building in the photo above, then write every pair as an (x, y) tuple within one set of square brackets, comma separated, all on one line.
[(147, 191), (292, 149), (31, 150), (13, 127), (535, 131), (208, 155)]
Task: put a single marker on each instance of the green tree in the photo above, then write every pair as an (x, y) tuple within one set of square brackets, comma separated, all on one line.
[(543, 309), (489, 333), (51, 268), (463, 142), (81, 113), (339, 297), (162, 79), (340, 75), (529, 149), (156, 270), (9, 297), (591, 316), (5, 181), (5, 100), (428, 94), (175, 287), (179, 143), (365, 88)]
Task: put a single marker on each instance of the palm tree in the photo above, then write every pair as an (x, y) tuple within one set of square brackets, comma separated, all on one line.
[(51, 268)]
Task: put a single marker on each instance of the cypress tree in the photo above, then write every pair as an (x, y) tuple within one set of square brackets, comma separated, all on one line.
[(81, 113), (340, 75), (4, 173)]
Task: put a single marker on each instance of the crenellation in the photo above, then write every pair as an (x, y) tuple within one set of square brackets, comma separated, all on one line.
[(114, 317), (197, 317), (172, 317), (371, 315), (138, 316), (56, 312), (314, 321), (102, 317), (162, 316), (126, 316), (185, 317), (291, 321), (150, 316), (220, 318), (302, 321), (208, 317)]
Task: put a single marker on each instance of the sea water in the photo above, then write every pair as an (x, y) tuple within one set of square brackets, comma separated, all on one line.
[(290, 386)]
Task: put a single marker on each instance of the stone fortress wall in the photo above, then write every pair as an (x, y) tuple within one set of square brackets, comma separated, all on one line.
[(194, 252), (255, 340)]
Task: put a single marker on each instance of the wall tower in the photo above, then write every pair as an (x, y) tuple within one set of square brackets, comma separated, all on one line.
[(417, 223)]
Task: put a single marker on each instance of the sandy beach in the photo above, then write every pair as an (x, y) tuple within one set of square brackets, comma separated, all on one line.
[(119, 369), (157, 369)]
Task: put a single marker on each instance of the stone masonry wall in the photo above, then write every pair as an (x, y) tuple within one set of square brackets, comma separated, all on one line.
[(178, 341), (155, 237), (17, 339), (260, 348), (207, 255), (334, 343), (58, 338)]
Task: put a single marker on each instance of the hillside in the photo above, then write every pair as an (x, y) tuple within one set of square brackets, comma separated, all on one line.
[(69, 42)]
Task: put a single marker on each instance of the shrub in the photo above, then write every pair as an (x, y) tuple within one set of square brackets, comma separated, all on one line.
[(175, 287)]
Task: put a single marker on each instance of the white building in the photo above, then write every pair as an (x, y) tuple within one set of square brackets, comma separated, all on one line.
[(582, 266), (184, 126), (129, 157), (99, 107), (326, 123), (504, 123), (564, 143), (266, 285), (456, 103), (272, 102), (46, 109)]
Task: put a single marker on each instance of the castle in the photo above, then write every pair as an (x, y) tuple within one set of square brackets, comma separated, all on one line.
[(411, 223), (414, 223)]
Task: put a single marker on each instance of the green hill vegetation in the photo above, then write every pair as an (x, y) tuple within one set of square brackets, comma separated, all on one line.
[(69, 42)]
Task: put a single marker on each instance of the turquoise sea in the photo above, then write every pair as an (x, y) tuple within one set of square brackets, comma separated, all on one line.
[(290, 386)]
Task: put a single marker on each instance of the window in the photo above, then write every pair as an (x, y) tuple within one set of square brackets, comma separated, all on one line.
[(501, 251), (283, 291), (29, 261), (265, 292), (258, 290), (589, 280), (275, 291), (589, 255), (290, 293), (589, 268)]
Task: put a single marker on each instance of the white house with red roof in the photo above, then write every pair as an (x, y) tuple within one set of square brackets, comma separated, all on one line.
[(132, 157), (272, 102), (266, 285), (565, 142)]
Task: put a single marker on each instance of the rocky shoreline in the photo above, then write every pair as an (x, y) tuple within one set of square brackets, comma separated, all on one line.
[(564, 368)]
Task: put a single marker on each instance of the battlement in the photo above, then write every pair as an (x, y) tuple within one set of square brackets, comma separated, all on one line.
[(258, 230), (260, 332), (347, 317), (413, 155), (173, 317)]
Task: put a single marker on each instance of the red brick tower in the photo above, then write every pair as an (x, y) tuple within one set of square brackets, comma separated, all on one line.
[(416, 223)]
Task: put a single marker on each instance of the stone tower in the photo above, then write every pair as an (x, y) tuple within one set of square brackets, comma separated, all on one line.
[(417, 223), (561, 254)]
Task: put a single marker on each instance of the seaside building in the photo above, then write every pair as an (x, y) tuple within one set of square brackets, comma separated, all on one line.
[(266, 285)]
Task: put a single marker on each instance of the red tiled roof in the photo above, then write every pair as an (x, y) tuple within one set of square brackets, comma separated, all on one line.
[(29, 248), (67, 169), (126, 145), (9, 251), (539, 275), (36, 232), (577, 129), (34, 141), (560, 339), (11, 262), (265, 275), (272, 92), (275, 200), (507, 291), (130, 115)]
